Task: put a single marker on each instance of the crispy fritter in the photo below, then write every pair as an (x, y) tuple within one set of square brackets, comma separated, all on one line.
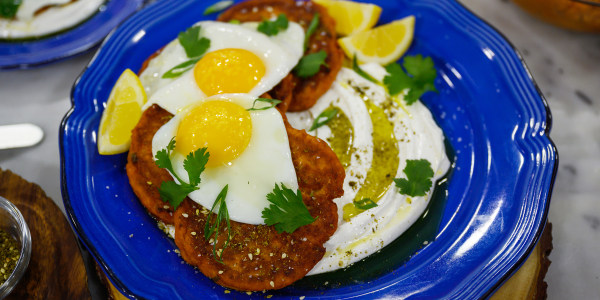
[(144, 176), (259, 258), (256, 255), (304, 92)]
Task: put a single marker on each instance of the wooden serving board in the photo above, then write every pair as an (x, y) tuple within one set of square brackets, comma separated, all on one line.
[(56, 269)]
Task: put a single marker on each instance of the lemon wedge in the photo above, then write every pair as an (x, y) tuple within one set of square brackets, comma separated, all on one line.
[(351, 17), (123, 111), (383, 44)]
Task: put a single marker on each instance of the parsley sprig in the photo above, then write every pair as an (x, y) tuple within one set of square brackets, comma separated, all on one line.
[(194, 47), (271, 103), (222, 215), (418, 79), (418, 178), (9, 8), (310, 64), (271, 28), (323, 118), (194, 164), (287, 210)]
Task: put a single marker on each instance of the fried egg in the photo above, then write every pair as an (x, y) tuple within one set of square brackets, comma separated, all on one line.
[(239, 60), (249, 151), (36, 18), (373, 135)]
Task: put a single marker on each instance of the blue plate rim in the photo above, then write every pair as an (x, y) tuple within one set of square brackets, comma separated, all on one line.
[(78, 42), (549, 123), (72, 218)]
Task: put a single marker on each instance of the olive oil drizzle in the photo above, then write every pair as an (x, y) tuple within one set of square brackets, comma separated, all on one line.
[(385, 157), (342, 137)]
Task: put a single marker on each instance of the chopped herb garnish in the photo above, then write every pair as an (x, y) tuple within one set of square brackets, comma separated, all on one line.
[(234, 21), (9, 8), (361, 72), (192, 43), (217, 7), (194, 163), (211, 228), (365, 204), (312, 27), (181, 68), (272, 103), (194, 46), (271, 28), (418, 178), (310, 64), (418, 79), (287, 210), (323, 118)]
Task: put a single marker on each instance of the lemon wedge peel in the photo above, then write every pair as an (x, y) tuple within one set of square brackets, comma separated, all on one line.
[(383, 44), (122, 112), (351, 17)]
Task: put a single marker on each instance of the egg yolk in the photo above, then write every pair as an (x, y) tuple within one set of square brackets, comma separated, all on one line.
[(228, 71), (223, 127)]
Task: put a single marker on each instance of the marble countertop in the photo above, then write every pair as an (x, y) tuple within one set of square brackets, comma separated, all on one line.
[(565, 65)]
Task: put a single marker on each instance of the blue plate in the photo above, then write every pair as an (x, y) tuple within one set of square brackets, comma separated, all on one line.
[(30, 53), (493, 116)]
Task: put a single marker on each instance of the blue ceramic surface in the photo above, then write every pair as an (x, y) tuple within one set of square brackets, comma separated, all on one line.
[(30, 53), (488, 106)]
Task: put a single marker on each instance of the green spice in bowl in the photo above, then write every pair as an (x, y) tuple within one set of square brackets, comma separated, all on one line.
[(15, 246), (10, 251)]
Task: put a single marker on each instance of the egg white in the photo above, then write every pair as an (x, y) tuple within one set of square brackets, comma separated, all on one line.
[(267, 160), (61, 15), (279, 53), (418, 137)]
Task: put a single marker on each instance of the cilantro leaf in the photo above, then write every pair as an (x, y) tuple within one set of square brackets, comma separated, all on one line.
[(323, 118), (312, 27), (174, 193), (9, 8), (217, 7), (418, 178), (361, 72), (418, 79), (272, 103), (364, 204), (310, 64), (211, 228), (396, 80), (194, 47), (287, 210), (271, 28), (194, 164), (192, 43), (163, 157), (181, 68)]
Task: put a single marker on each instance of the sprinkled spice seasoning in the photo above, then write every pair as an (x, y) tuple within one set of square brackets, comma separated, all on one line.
[(9, 255)]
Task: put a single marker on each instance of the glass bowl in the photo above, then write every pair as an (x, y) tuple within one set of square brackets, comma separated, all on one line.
[(12, 222)]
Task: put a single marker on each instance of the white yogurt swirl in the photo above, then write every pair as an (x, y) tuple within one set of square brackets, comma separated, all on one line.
[(417, 137)]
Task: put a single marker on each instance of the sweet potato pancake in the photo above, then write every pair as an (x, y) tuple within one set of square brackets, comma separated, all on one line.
[(144, 176), (257, 258), (304, 92)]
